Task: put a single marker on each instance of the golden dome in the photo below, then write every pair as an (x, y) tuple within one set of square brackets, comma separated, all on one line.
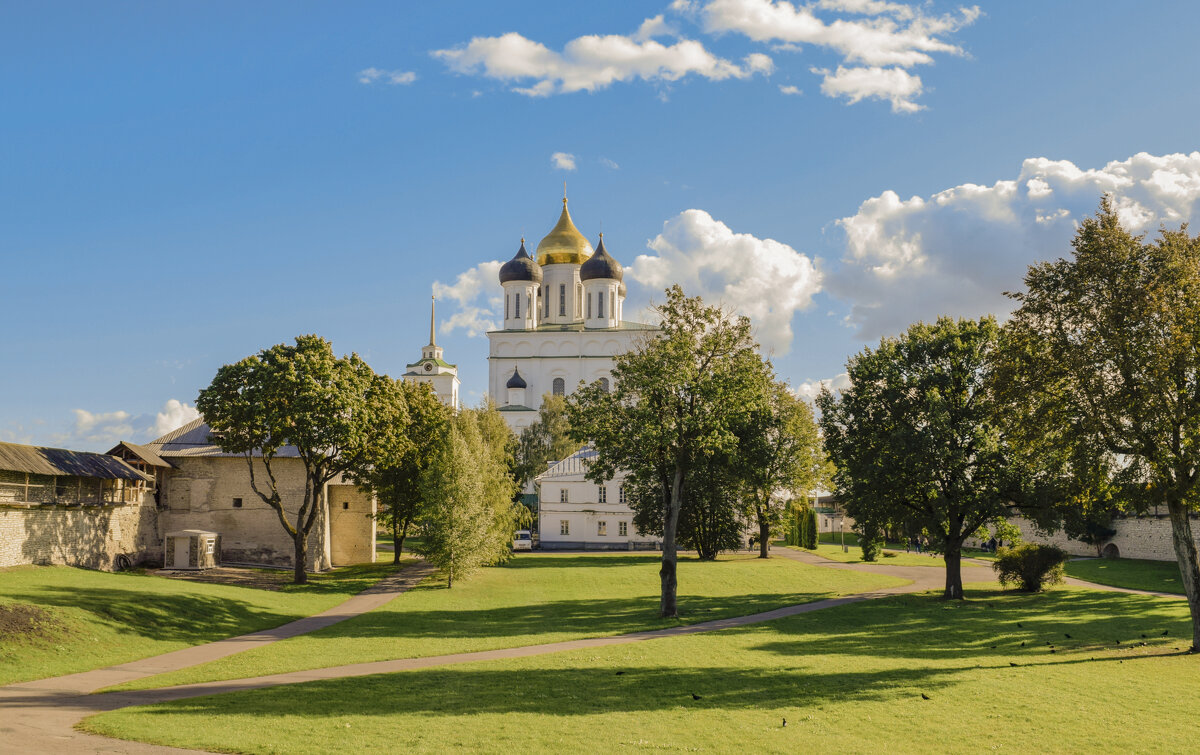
[(564, 244)]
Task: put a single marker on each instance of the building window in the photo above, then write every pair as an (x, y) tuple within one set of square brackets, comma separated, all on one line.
[(602, 494), (599, 304), (506, 298), (546, 300), (589, 299), (601, 528), (612, 304), (562, 299), (516, 305), (562, 495), (621, 494), (579, 300), (623, 528), (560, 386), (345, 505), (529, 303), (237, 503), (604, 384), (564, 527)]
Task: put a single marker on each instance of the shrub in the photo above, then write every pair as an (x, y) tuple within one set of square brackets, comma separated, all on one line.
[(1030, 566), (810, 529)]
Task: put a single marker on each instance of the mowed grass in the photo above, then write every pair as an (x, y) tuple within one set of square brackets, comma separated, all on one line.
[(1130, 573), (887, 558), (95, 619), (847, 679), (534, 599)]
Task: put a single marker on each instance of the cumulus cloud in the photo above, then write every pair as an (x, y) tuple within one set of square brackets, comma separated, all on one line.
[(174, 415), (881, 40), (790, 89), (563, 161), (593, 62), (99, 431), (373, 75), (957, 251), (809, 389), (476, 294), (762, 278)]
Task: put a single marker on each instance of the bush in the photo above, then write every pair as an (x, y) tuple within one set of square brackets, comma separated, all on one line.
[(1030, 566), (810, 529)]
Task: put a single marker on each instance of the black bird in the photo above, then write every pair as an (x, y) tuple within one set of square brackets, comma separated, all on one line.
[(1052, 650), (1117, 641), (1019, 625), (925, 696), (620, 672), (993, 647), (1067, 636), (1022, 644), (695, 696), (1011, 663), (1143, 636), (785, 723), (1164, 634)]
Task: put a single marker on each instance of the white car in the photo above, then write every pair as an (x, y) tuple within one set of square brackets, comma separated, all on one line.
[(522, 541)]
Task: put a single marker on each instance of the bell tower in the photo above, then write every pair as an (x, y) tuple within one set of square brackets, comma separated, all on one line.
[(433, 369)]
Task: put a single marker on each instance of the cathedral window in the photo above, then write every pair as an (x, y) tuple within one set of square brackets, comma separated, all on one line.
[(601, 494), (604, 384), (599, 304), (546, 300), (579, 300), (612, 303), (589, 307), (506, 298), (516, 305), (560, 386), (562, 300)]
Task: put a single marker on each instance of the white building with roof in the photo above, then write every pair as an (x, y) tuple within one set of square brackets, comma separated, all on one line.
[(575, 513), (563, 322), (433, 370)]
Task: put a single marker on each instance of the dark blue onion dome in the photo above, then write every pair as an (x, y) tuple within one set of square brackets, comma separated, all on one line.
[(601, 265), (522, 267), (516, 381)]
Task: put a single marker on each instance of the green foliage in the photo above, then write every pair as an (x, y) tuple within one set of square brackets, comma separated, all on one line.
[(810, 529), (1030, 566), (870, 540), (677, 400), (335, 411), (547, 439), (1098, 374), (914, 440)]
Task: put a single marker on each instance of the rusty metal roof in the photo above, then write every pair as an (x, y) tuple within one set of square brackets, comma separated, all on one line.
[(193, 440), (15, 457)]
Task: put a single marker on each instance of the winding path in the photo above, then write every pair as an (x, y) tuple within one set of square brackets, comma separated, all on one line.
[(40, 716)]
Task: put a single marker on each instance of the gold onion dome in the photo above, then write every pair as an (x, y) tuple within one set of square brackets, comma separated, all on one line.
[(521, 268), (564, 244), (601, 266)]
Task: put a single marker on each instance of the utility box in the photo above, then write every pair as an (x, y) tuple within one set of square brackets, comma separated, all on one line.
[(192, 549)]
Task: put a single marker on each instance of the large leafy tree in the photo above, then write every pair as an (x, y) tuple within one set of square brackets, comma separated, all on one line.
[(913, 437), (392, 470), (332, 410), (1101, 370), (676, 400), (710, 518), (779, 457), (467, 514)]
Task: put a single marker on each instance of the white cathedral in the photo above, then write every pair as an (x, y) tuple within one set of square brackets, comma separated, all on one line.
[(562, 322)]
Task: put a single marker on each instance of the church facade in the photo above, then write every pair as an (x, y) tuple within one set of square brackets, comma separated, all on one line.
[(433, 370), (563, 322)]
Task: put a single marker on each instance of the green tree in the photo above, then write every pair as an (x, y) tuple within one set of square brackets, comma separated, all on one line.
[(466, 519), (547, 439), (709, 520), (331, 410), (392, 471), (810, 534), (676, 401), (1100, 371), (913, 437), (779, 451)]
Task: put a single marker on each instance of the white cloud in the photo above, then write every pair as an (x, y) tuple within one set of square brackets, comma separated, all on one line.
[(809, 389), (373, 75), (592, 62), (790, 89), (856, 84), (476, 294), (175, 414), (762, 278), (563, 161), (653, 27), (957, 251), (610, 164)]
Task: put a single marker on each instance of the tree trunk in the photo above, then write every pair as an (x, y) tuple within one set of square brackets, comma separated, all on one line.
[(668, 608), (1189, 567), (300, 574), (764, 533), (953, 559)]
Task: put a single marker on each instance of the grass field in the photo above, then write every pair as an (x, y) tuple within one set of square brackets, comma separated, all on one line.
[(82, 620), (829, 545), (847, 679), (1131, 573), (536, 599)]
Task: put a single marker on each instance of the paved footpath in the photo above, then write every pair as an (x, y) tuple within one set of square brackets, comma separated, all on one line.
[(40, 716)]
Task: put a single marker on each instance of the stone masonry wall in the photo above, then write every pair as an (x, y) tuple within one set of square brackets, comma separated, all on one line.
[(1144, 537), (89, 536)]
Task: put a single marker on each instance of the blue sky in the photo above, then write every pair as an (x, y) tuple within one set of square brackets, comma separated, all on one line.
[(183, 184)]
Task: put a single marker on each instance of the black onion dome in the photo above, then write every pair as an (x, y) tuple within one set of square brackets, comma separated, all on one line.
[(516, 381), (601, 265), (522, 267)]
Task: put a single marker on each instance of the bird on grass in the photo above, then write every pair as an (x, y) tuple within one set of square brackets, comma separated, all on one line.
[(1143, 636), (620, 672), (1069, 637), (695, 696), (1165, 631), (1019, 625), (1052, 650), (1022, 644), (925, 696), (1011, 663), (784, 723)]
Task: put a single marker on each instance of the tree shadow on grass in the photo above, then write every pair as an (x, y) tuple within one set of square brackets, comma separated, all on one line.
[(1003, 626)]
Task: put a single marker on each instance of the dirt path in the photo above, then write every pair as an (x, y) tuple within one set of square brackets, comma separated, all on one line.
[(40, 716)]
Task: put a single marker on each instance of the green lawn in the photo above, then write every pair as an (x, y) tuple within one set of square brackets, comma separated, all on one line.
[(534, 599), (854, 556), (848, 679), (92, 619), (1132, 573)]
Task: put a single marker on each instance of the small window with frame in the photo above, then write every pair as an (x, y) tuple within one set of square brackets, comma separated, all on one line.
[(237, 503)]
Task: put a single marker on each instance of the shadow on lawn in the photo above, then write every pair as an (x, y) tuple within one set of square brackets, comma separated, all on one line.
[(990, 624)]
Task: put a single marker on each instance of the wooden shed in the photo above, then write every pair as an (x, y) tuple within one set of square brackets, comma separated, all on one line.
[(34, 475)]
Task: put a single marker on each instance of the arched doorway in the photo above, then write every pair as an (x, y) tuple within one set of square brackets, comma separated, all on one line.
[(1110, 551)]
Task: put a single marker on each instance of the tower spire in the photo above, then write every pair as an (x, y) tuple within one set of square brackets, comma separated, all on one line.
[(432, 303)]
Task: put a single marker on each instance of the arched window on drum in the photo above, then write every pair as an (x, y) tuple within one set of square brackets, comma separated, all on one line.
[(560, 386)]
